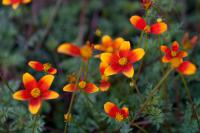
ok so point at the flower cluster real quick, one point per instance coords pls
(116, 57)
(175, 57)
(36, 91)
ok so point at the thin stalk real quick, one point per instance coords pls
(155, 90)
(35, 121)
(73, 95)
(137, 89)
(6, 83)
(140, 40)
(187, 90)
(140, 128)
(50, 22)
(142, 63)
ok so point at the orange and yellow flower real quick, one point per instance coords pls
(122, 60)
(35, 92)
(70, 49)
(15, 3)
(108, 44)
(46, 67)
(104, 83)
(114, 112)
(175, 57)
(140, 24)
(189, 43)
(146, 4)
(88, 87)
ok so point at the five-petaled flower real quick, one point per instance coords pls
(108, 44)
(140, 24)
(114, 112)
(35, 92)
(88, 87)
(70, 49)
(146, 4)
(189, 43)
(175, 57)
(15, 3)
(122, 60)
(46, 67)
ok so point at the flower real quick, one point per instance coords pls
(122, 60)
(15, 3)
(146, 4)
(140, 24)
(35, 92)
(175, 57)
(82, 85)
(104, 83)
(70, 49)
(114, 112)
(189, 43)
(46, 67)
(108, 44)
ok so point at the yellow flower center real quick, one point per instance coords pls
(46, 66)
(147, 29)
(123, 61)
(173, 53)
(35, 92)
(119, 117)
(109, 49)
(82, 84)
(86, 52)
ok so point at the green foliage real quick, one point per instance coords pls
(14, 116)
(22, 39)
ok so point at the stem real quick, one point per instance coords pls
(35, 121)
(155, 89)
(187, 90)
(137, 89)
(6, 83)
(142, 63)
(140, 128)
(140, 39)
(50, 22)
(73, 95)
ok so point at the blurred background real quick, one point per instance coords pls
(34, 31)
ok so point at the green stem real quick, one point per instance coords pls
(140, 39)
(35, 121)
(6, 83)
(155, 89)
(142, 63)
(50, 22)
(187, 90)
(141, 129)
(73, 96)
(137, 89)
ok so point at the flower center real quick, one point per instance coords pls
(109, 49)
(82, 84)
(123, 61)
(35, 92)
(173, 53)
(119, 117)
(47, 66)
(86, 52)
(147, 29)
